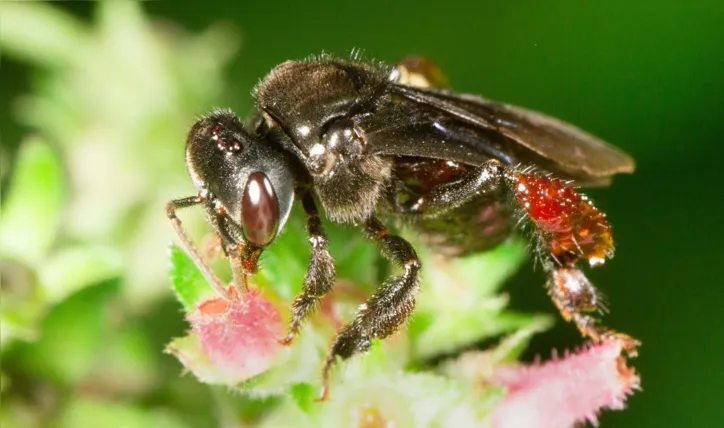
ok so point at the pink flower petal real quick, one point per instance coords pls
(564, 391)
(240, 339)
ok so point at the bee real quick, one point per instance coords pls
(370, 143)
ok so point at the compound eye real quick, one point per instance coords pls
(259, 210)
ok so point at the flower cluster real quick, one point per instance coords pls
(237, 344)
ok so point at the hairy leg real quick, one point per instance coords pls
(387, 309)
(567, 226)
(320, 274)
(569, 229)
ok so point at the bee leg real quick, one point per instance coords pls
(578, 300)
(188, 244)
(569, 229)
(212, 246)
(387, 309)
(441, 199)
(230, 247)
(320, 274)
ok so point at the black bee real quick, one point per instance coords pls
(365, 141)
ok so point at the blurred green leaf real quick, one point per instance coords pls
(93, 412)
(188, 350)
(19, 413)
(24, 305)
(71, 269)
(19, 320)
(71, 335)
(31, 212)
(304, 394)
(458, 304)
(454, 330)
(189, 284)
(130, 361)
(119, 85)
(510, 348)
(357, 258)
(478, 275)
(4, 382)
(474, 368)
(40, 33)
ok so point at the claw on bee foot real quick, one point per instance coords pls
(323, 392)
(288, 340)
(628, 343)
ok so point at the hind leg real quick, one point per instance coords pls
(568, 229)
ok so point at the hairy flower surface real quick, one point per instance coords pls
(564, 391)
(239, 340)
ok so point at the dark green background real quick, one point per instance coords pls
(647, 76)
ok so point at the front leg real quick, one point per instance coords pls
(387, 309)
(320, 274)
(219, 222)
(188, 244)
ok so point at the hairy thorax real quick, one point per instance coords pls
(350, 191)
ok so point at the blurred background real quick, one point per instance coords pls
(98, 100)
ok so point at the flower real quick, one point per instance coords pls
(238, 340)
(564, 391)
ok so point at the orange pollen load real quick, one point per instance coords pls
(572, 227)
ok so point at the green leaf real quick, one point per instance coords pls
(16, 412)
(72, 269)
(130, 361)
(512, 346)
(454, 330)
(189, 352)
(188, 283)
(40, 33)
(450, 282)
(63, 274)
(93, 412)
(71, 335)
(19, 319)
(458, 305)
(304, 395)
(4, 382)
(31, 212)
(357, 258)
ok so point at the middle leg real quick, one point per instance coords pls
(386, 310)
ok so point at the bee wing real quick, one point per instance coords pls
(471, 128)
